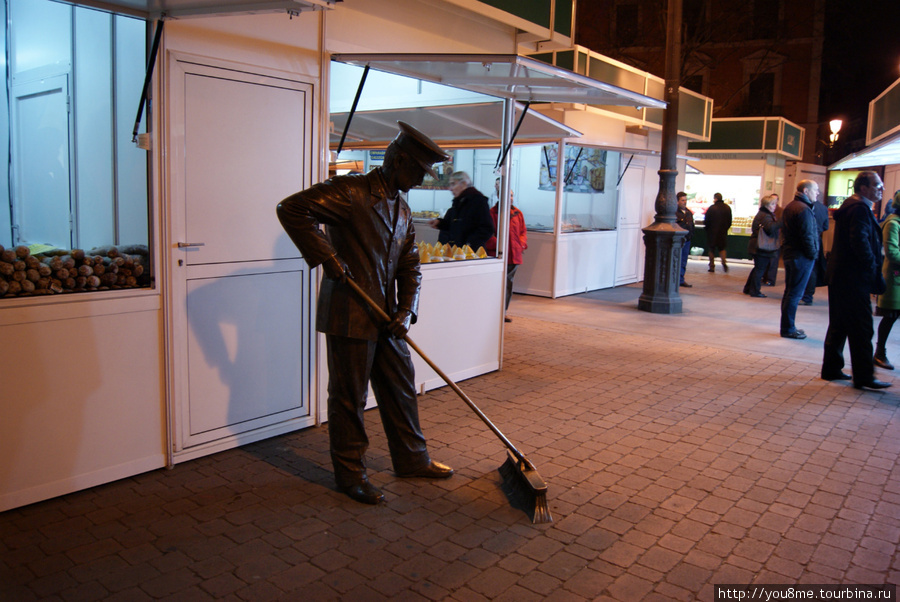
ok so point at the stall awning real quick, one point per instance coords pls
(886, 152)
(473, 124)
(503, 76)
(177, 9)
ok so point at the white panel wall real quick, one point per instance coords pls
(82, 396)
(459, 321)
(585, 262)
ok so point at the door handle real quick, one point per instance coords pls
(184, 245)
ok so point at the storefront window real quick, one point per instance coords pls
(589, 181)
(433, 198)
(741, 193)
(75, 195)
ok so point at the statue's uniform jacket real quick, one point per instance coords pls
(375, 237)
(377, 245)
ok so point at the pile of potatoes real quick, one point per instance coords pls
(62, 271)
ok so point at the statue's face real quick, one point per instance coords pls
(409, 174)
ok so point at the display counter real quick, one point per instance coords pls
(736, 242)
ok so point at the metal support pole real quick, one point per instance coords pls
(664, 238)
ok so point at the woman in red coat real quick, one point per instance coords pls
(518, 242)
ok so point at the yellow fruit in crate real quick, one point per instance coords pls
(481, 253)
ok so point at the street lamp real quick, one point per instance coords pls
(835, 125)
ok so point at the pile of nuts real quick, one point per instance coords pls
(62, 271)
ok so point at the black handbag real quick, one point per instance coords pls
(764, 242)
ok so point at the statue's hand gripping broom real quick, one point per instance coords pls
(522, 483)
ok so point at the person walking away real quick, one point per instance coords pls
(888, 305)
(717, 221)
(685, 218)
(799, 248)
(854, 275)
(517, 243)
(468, 220)
(369, 237)
(817, 277)
(767, 228)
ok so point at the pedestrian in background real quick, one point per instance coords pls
(817, 278)
(717, 221)
(685, 218)
(854, 275)
(888, 305)
(516, 243)
(800, 250)
(765, 240)
(771, 275)
(468, 220)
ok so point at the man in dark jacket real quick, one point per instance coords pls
(716, 222)
(369, 236)
(820, 212)
(799, 248)
(854, 274)
(468, 221)
(684, 217)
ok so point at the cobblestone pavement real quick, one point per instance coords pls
(680, 451)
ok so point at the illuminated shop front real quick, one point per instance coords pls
(745, 160)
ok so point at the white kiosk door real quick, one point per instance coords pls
(630, 244)
(240, 341)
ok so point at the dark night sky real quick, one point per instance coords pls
(861, 55)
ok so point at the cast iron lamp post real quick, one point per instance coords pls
(664, 238)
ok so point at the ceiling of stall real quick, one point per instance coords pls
(470, 124)
(886, 152)
(503, 76)
(154, 9)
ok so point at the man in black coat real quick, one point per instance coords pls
(716, 222)
(369, 236)
(820, 212)
(684, 217)
(468, 220)
(799, 248)
(854, 274)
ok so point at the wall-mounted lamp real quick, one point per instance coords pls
(835, 125)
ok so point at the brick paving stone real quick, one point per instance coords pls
(764, 473)
(621, 554)
(660, 559)
(629, 587)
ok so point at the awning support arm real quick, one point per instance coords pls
(568, 177)
(154, 50)
(502, 157)
(622, 175)
(362, 83)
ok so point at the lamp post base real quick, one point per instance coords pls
(662, 268)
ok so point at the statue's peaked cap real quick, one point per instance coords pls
(419, 147)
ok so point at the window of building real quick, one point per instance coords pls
(761, 94)
(75, 211)
(693, 82)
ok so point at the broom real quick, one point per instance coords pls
(522, 484)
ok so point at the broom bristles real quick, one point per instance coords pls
(525, 489)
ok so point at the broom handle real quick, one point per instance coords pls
(383, 315)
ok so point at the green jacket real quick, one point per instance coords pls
(891, 266)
